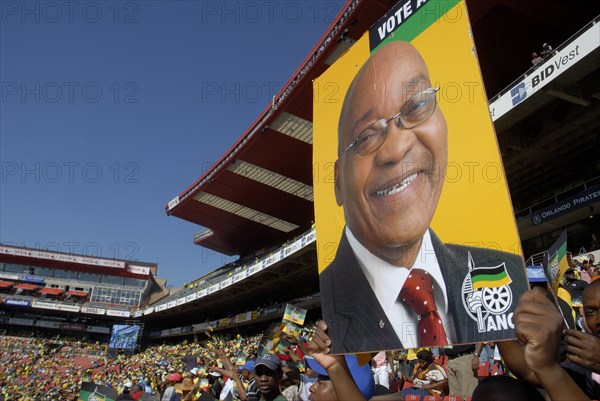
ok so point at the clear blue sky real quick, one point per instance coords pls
(109, 109)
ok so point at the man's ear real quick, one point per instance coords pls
(336, 183)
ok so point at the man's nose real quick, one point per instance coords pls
(398, 142)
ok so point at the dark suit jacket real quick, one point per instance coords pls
(358, 323)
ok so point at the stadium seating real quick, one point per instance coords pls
(484, 369)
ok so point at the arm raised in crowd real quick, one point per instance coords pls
(233, 375)
(534, 357)
(335, 365)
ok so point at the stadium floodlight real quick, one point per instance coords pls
(272, 179)
(245, 212)
(293, 126)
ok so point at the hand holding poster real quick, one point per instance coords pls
(427, 247)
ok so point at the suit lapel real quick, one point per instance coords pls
(366, 327)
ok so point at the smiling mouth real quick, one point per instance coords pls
(398, 187)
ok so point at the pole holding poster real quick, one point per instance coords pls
(414, 189)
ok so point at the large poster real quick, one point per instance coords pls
(416, 237)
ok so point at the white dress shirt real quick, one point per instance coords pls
(387, 280)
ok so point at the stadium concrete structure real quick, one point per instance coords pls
(256, 201)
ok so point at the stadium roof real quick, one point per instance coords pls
(260, 191)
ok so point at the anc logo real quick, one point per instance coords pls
(486, 292)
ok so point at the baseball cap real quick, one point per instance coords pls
(535, 274)
(175, 377)
(269, 360)
(249, 365)
(362, 375)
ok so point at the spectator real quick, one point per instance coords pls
(505, 388)
(574, 286)
(463, 365)
(169, 391)
(382, 369)
(534, 357)
(290, 383)
(535, 59)
(428, 378)
(546, 50)
(268, 375)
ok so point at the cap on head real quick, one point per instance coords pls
(175, 377)
(269, 360)
(249, 365)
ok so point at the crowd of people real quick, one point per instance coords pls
(563, 363)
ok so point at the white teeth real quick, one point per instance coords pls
(398, 187)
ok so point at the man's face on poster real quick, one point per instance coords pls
(390, 194)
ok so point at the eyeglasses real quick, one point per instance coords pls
(413, 113)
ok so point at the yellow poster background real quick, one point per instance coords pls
(475, 207)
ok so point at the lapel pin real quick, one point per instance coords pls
(381, 324)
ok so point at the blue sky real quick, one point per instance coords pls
(109, 109)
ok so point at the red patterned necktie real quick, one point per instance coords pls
(417, 293)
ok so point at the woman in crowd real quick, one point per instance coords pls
(429, 378)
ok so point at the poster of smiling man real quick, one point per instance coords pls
(416, 236)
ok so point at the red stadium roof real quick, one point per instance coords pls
(28, 287)
(51, 291)
(77, 293)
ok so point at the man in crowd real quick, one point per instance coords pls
(539, 328)
(463, 365)
(268, 374)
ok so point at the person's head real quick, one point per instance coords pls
(534, 54)
(569, 275)
(322, 389)
(505, 388)
(187, 385)
(390, 171)
(293, 376)
(213, 377)
(247, 370)
(425, 358)
(136, 391)
(268, 374)
(591, 307)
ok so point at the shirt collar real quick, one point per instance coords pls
(386, 280)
